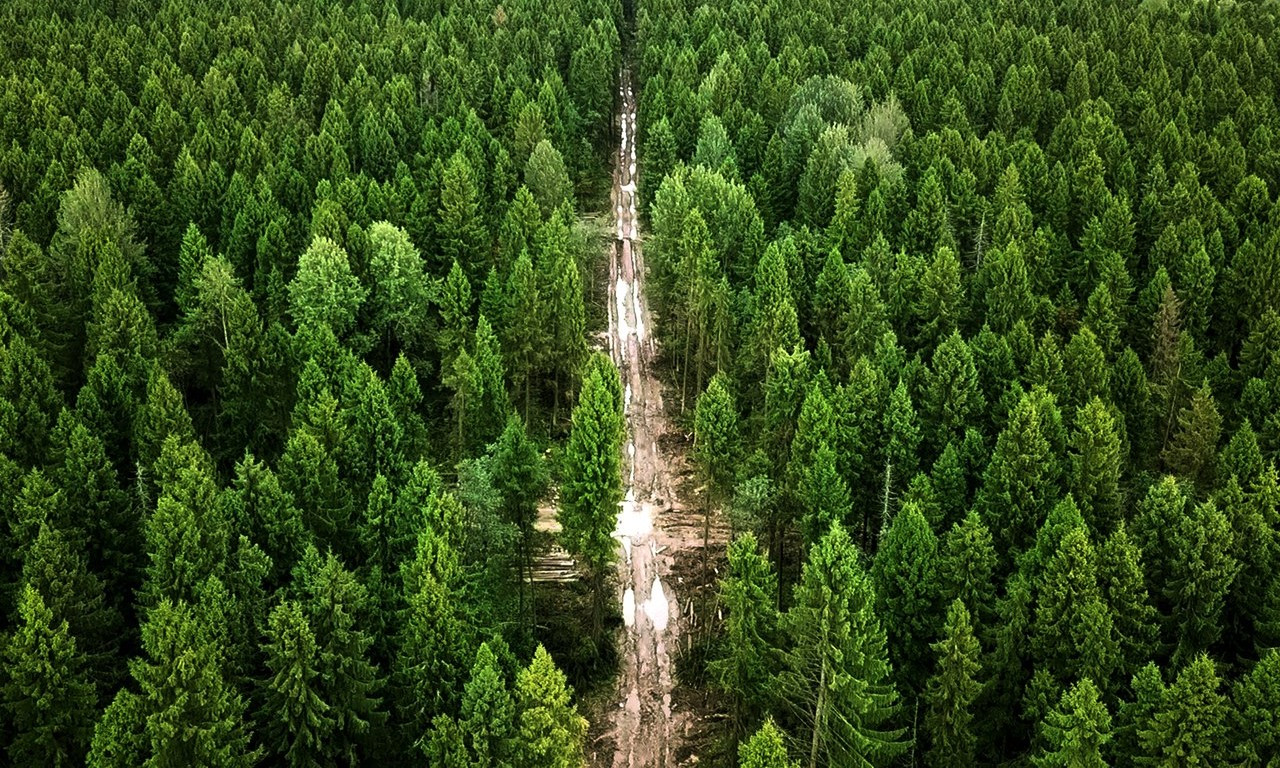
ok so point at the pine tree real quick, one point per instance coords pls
(48, 697)
(1202, 570)
(952, 691)
(902, 433)
(1076, 731)
(295, 719)
(430, 663)
(1072, 636)
(567, 330)
(716, 443)
(1255, 714)
(765, 749)
(550, 732)
(461, 235)
(837, 676)
(454, 300)
(520, 479)
(746, 669)
(592, 486)
(1018, 486)
(1122, 578)
(1192, 452)
(525, 339)
(488, 713)
(952, 397)
(905, 575)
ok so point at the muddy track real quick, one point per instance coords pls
(645, 727)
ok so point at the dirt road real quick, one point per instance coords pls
(645, 727)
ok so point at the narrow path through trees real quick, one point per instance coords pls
(644, 726)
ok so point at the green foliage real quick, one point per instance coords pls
(550, 730)
(747, 668)
(1077, 730)
(765, 749)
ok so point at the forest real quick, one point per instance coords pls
(966, 318)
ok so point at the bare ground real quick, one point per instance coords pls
(665, 577)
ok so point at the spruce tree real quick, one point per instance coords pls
(765, 749)
(1017, 488)
(47, 694)
(193, 714)
(1122, 577)
(1073, 635)
(488, 713)
(952, 692)
(1096, 460)
(295, 719)
(1077, 730)
(550, 732)
(836, 675)
(592, 486)
(746, 669)
(1202, 571)
(335, 606)
(1192, 450)
(1189, 727)
(905, 575)
(1255, 712)
(966, 571)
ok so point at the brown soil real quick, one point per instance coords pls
(666, 581)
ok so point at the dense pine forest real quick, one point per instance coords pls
(967, 318)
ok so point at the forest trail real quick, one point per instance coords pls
(644, 726)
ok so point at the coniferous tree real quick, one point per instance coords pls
(765, 749)
(1189, 726)
(335, 606)
(488, 712)
(1095, 458)
(966, 570)
(295, 718)
(746, 669)
(1255, 712)
(47, 694)
(193, 715)
(905, 575)
(1077, 730)
(837, 676)
(592, 487)
(1122, 577)
(550, 730)
(952, 691)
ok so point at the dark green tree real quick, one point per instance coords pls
(952, 691)
(295, 719)
(749, 662)
(836, 676)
